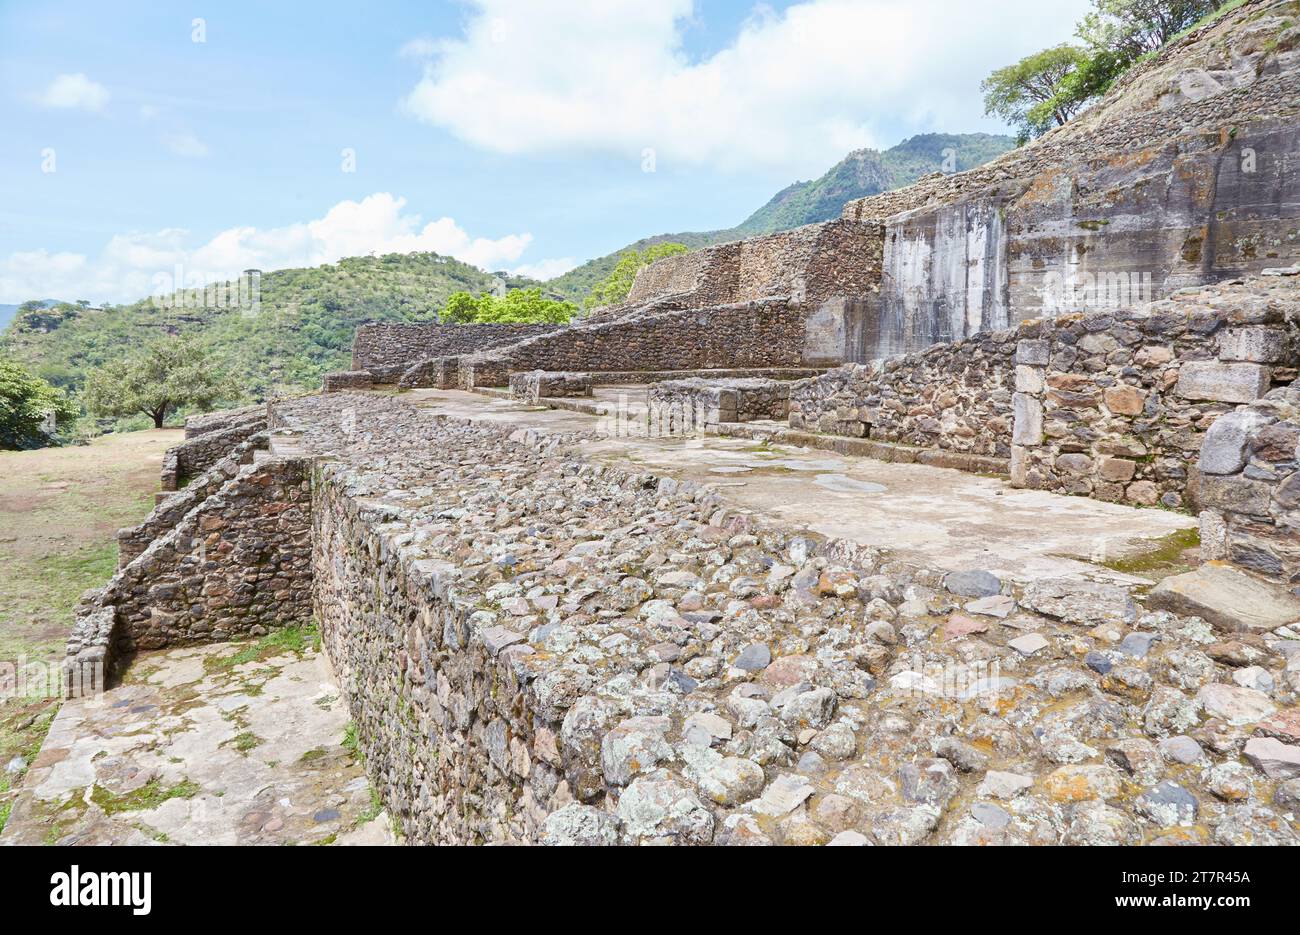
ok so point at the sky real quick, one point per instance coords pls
(155, 144)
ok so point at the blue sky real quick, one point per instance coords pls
(511, 133)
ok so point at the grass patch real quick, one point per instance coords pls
(293, 639)
(246, 741)
(1165, 557)
(146, 798)
(311, 756)
(350, 742)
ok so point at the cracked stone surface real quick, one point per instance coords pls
(190, 749)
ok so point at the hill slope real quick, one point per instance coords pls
(302, 329)
(862, 172)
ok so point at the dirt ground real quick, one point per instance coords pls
(59, 511)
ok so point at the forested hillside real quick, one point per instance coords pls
(301, 329)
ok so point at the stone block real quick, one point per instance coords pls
(1214, 535)
(1227, 598)
(1234, 494)
(1118, 470)
(1125, 400)
(1033, 351)
(1028, 379)
(1256, 345)
(1224, 449)
(1019, 465)
(1222, 382)
(1028, 415)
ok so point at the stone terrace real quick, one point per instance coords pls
(539, 647)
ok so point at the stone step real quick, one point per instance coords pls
(1227, 599)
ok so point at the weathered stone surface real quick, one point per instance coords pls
(580, 826)
(1257, 345)
(1229, 599)
(1081, 602)
(1224, 450)
(1274, 759)
(1236, 705)
(972, 583)
(1220, 382)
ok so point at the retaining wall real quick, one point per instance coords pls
(1112, 405)
(769, 333)
(387, 349)
(1250, 487)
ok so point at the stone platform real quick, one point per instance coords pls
(197, 747)
(932, 515)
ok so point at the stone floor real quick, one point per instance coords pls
(199, 746)
(929, 515)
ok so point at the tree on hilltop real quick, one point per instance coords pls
(1026, 94)
(1048, 88)
(168, 374)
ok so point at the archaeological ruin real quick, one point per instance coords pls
(969, 517)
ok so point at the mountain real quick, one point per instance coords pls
(301, 329)
(862, 172)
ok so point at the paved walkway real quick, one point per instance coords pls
(225, 744)
(935, 516)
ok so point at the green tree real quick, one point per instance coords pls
(168, 374)
(516, 306)
(1130, 29)
(615, 287)
(31, 410)
(1028, 93)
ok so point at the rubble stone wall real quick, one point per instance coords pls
(1109, 405)
(208, 442)
(768, 333)
(133, 540)
(387, 349)
(1250, 486)
(233, 566)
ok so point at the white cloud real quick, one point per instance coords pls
(134, 265)
(545, 269)
(185, 144)
(74, 91)
(793, 90)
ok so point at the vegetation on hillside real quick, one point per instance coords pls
(168, 374)
(301, 328)
(517, 305)
(863, 172)
(1046, 89)
(615, 287)
(31, 411)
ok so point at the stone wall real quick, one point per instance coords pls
(207, 441)
(1250, 487)
(683, 406)
(767, 333)
(1109, 405)
(387, 349)
(133, 540)
(534, 385)
(812, 263)
(343, 381)
(233, 566)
